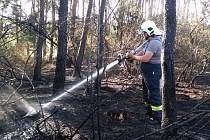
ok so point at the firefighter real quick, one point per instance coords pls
(149, 54)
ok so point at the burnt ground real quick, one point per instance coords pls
(116, 113)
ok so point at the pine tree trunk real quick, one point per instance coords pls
(72, 35)
(1, 27)
(33, 11)
(162, 3)
(16, 12)
(39, 44)
(150, 12)
(101, 38)
(100, 53)
(73, 25)
(83, 12)
(145, 9)
(81, 50)
(60, 72)
(169, 91)
(120, 21)
(52, 31)
(45, 26)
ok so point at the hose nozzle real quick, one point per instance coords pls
(121, 58)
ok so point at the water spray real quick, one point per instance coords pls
(93, 76)
(11, 100)
(81, 83)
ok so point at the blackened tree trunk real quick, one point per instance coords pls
(101, 39)
(100, 52)
(73, 18)
(80, 54)
(45, 23)
(120, 21)
(39, 44)
(59, 79)
(83, 11)
(33, 19)
(1, 27)
(169, 91)
(52, 31)
(16, 12)
(72, 34)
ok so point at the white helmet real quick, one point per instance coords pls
(150, 28)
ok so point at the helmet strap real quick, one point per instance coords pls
(147, 37)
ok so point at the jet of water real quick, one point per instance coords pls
(91, 77)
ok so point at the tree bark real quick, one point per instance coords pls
(16, 13)
(162, 3)
(52, 31)
(60, 72)
(169, 91)
(150, 5)
(73, 25)
(1, 27)
(120, 21)
(72, 36)
(39, 44)
(33, 19)
(100, 52)
(81, 50)
(101, 38)
(33, 9)
(45, 24)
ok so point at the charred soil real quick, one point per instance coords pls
(116, 112)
